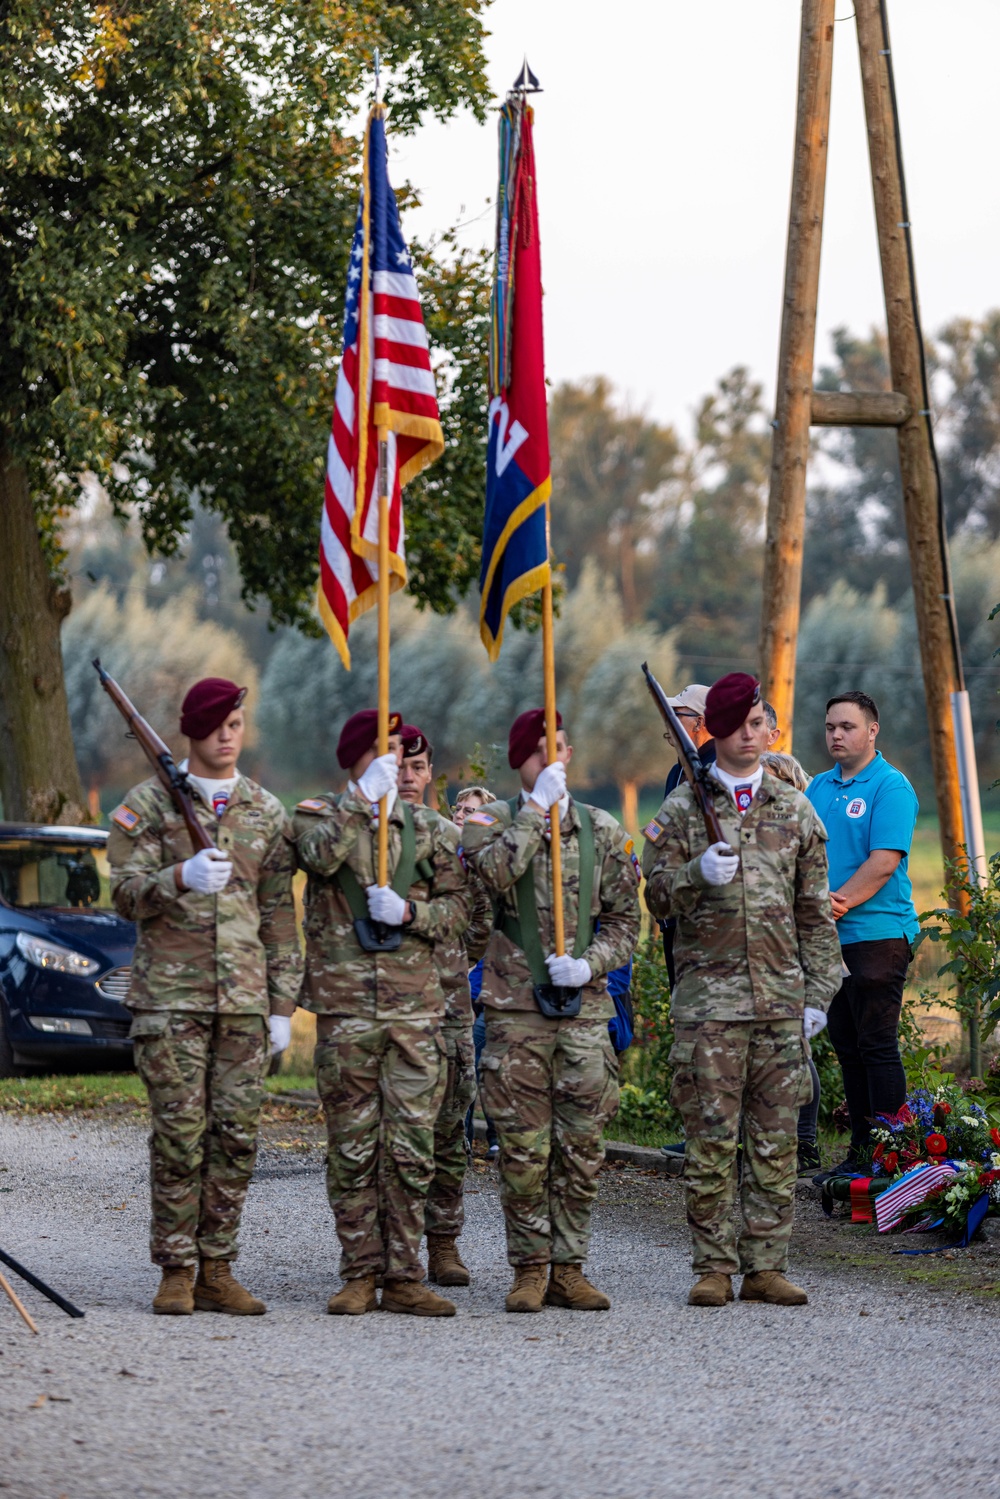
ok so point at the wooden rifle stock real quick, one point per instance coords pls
(692, 764)
(174, 781)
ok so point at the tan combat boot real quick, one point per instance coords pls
(527, 1294)
(569, 1287)
(414, 1297)
(218, 1290)
(444, 1263)
(354, 1298)
(771, 1286)
(175, 1298)
(714, 1289)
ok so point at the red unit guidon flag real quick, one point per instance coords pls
(386, 381)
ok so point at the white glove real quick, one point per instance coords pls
(567, 972)
(719, 864)
(550, 786)
(207, 872)
(379, 779)
(280, 1027)
(813, 1021)
(385, 905)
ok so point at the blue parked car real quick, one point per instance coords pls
(65, 955)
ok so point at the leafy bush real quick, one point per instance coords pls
(646, 1074)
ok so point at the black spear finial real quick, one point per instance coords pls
(526, 82)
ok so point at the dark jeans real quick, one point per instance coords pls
(479, 1041)
(809, 1112)
(864, 1029)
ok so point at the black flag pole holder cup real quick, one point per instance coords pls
(557, 1002)
(375, 936)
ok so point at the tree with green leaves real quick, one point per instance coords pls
(610, 468)
(179, 189)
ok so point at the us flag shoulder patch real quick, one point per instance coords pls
(482, 818)
(311, 804)
(126, 818)
(652, 831)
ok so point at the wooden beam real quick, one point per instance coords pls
(786, 506)
(921, 501)
(859, 408)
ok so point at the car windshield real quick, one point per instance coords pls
(63, 876)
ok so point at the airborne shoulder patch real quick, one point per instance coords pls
(482, 818)
(311, 804)
(636, 866)
(652, 831)
(125, 818)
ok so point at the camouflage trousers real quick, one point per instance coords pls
(445, 1209)
(204, 1076)
(725, 1070)
(550, 1087)
(381, 1085)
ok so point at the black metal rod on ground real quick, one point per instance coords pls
(39, 1285)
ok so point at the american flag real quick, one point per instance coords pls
(911, 1189)
(385, 381)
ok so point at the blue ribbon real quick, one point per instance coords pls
(977, 1213)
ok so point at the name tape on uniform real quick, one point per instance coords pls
(126, 818)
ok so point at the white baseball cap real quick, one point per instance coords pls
(692, 698)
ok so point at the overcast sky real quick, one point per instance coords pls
(664, 142)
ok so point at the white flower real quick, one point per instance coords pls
(972, 1121)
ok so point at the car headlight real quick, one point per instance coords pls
(61, 1025)
(53, 957)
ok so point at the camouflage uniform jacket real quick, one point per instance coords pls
(458, 955)
(236, 952)
(341, 978)
(499, 849)
(765, 945)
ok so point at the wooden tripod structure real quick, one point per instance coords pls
(905, 407)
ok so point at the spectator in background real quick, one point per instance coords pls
(689, 706)
(869, 810)
(470, 800)
(773, 732)
(787, 768)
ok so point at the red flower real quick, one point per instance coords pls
(945, 1108)
(995, 1137)
(891, 1162)
(878, 1152)
(941, 1112)
(936, 1144)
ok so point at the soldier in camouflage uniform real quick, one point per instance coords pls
(757, 964)
(445, 1215)
(550, 1083)
(217, 954)
(380, 1047)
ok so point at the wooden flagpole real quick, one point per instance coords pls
(549, 675)
(383, 643)
(18, 1305)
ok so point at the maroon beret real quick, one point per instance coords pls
(525, 732)
(208, 705)
(728, 703)
(415, 742)
(360, 733)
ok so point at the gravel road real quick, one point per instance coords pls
(881, 1386)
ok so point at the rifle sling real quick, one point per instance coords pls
(402, 880)
(522, 929)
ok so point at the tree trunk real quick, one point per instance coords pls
(629, 793)
(626, 553)
(39, 779)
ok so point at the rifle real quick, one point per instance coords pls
(692, 764)
(173, 780)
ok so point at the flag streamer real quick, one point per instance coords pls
(518, 472)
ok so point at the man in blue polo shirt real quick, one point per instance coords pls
(869, 810)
